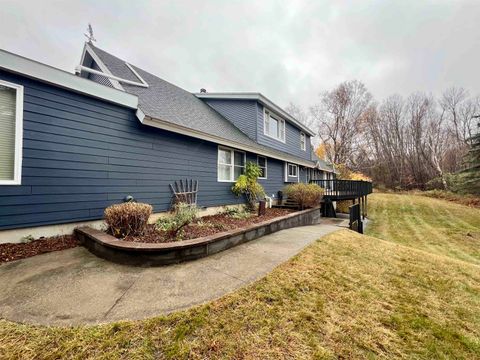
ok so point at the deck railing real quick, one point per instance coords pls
(344, 189)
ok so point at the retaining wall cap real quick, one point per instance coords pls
(111, 241)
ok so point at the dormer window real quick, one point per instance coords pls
(303, 142)
(273, 126)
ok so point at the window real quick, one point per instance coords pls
(273, 127)
(231, 164)
(292, 170)
(303, 142)
(11, 129)
(262, 164)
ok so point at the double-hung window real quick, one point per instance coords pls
(274, 127)
(291, 172)
(262, 164)
(303, 141)
(231, 164)
(11, 128)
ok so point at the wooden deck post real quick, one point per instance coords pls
(363, 207)
(366, 205)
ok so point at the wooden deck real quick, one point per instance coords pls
(344, 189)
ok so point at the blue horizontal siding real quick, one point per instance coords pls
(241, 113)
(292, 138)
(81, 155)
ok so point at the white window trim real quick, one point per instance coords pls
(266, 166)
(232, 154)
(303, 145)
(287, 176)
(17, 166)
(279, 119)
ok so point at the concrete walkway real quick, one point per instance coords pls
(73, 287)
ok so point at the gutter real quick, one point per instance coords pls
(165, 125)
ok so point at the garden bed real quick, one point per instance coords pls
(206, 226)
(157, 252)
(11, 252)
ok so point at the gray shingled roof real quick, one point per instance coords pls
(322, 164)
(167, 102)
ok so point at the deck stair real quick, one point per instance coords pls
(288, 204)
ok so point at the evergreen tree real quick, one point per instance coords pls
(471, 174)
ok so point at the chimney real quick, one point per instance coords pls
(202, 90)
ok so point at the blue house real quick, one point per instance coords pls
(73, 144)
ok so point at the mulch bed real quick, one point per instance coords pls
(205, 226)
(11, 252)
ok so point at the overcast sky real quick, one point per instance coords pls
(288, 50)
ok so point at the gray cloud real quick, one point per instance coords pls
(288, 50)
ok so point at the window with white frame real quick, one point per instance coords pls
(273, 126)
(292, 170)
(11, 129)
(303, 141)
(262, 164)
(231, 164)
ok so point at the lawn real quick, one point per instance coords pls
(436, 226)
(408, 292)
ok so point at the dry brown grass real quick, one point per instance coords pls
(346, 296)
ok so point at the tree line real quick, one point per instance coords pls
(400, 142)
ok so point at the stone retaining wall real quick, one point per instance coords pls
(155, 254)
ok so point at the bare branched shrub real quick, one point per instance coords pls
(182, 215)
(127, 219)
(306, 195)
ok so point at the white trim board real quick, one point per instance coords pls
(50, 75)
(217, 140)
(17, 162)
(101, 65)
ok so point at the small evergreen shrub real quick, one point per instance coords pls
(306, 195)
(127, 219)
(182, 215)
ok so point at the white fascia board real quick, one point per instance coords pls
(263, 100)
(48, 74)
(320, 166)
(146, 120)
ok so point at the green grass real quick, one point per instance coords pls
(433, 225)
(346, 296)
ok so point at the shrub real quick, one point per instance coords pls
(237, 212)
(247, 184)
(306, 195)
(343, 206)
(182, 215)
(127, 219)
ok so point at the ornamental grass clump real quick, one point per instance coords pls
(127, 219)
(305, 195)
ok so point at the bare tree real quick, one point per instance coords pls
(300, 114)
(451, 102)
(339, 119)
(401, 143)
